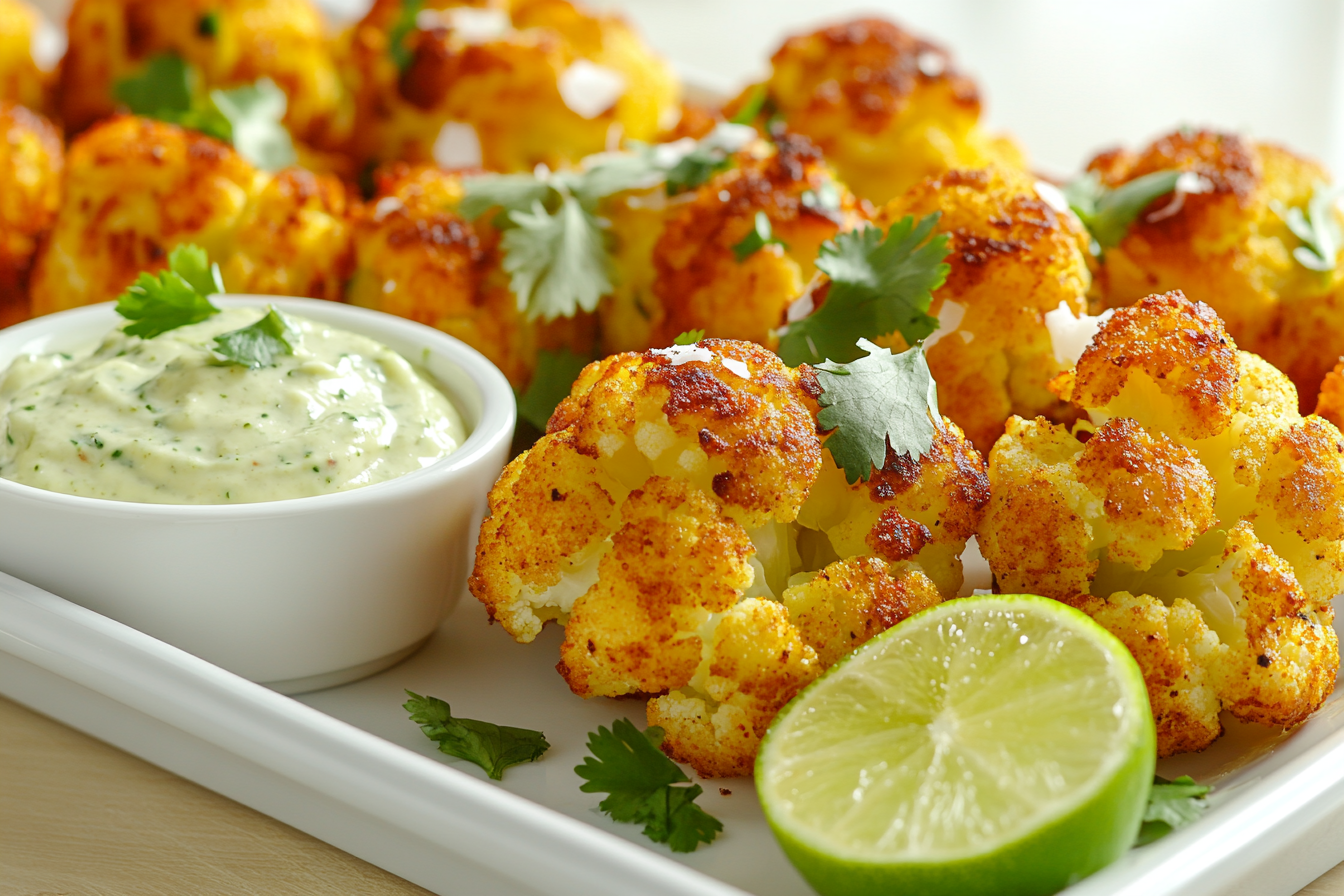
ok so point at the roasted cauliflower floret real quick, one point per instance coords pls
(229, 42)
(851, 601)
(21, 80)
(31, 159)
(135, 188)
(1014, 258)
(678, 269)
(1196, 487)
(886, 107)
(1330, 401)
(754, 663)
(506, 87)
(1230, 246)
(415, 257)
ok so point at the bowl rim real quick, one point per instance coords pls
(498, 413)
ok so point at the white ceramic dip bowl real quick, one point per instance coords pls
(297, 594)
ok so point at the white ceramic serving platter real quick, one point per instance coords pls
(347, 766)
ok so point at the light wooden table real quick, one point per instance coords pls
(81, 818)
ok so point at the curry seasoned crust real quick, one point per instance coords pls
(31, 161)
(21, 81)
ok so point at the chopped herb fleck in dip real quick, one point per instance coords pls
(109, 424)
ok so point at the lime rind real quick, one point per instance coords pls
(1093, 730)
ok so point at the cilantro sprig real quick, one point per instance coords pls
(690, 337)
(492, 747)
(249, 117)
(176, 297)
(260, 344)
(556, 245)
(645, 787)
(402, 27)
(875, 403)
(880, 283)
(760, 236)
(551, 382)
(1171, 806)
(1108, 213)
(1317, 228)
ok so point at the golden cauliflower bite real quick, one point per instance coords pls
(886, 108)
(502, 86)
(681, 509)
(675, 262)
(135, 188)
(1197, 516)
(415, 257)
(1231, 248)
(1015, 257)
(229, 42)
(31, 159)
(21, 81)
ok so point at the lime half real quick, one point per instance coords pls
(997, 745)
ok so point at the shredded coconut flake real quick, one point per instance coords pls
(1070, 335)
(386, 206)
(950, 317)
(1188, 183)
(47, 45)
(680, 354)
(930, 64)
(457, 146)
(1052, 196)
(589, 89)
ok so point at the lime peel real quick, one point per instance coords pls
(996, 744)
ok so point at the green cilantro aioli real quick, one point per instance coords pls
(168, 421)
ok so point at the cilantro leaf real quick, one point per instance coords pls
(875, 403)
(402, 27)
(1171, 806)
(1108, 213)
(642, 786)
(174, 298)
(760, 236)
(824, 200)
(254, 113)
(752, 106)
(163, 88)
(879, 285)
(555, 375)
(609, 173)
(259, 344)
(492, 747)
(510, 192)
(690, 337)
(557, 263)
(1317, 228)
(694, 168)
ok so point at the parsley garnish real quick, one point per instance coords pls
(402, 27)
(492, 747)
(555, 375)
(175, 297)
(879, 285)
(1171, 806)
(261, 343)
(642, 786)
(760, 236)
(1317, 228)
(690, 337)
(1108, 213)
(249, 117)
(878, 402)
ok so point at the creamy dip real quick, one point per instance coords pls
(164, 421)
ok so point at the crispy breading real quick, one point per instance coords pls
(502, 99)
(415, 257)
(229, 42)
(1014, 257)
(1330, 401)
(1205, 486)
(31, 160)
(1231, 247)
(887, 108)
(754, 664)
(667, 512)
(851, 601)
(677, 267)
(135, 188)
(21, 81)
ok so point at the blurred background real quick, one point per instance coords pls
(1067, 77)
